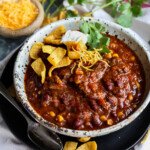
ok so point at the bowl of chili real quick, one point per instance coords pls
(99, 91)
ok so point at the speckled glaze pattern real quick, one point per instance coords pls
(127, 35)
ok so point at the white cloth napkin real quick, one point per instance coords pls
(141, 25)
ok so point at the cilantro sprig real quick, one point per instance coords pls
(122, 11)
(136, 7)
(96, 36)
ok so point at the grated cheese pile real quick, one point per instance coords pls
(17, 15)
(88, 58)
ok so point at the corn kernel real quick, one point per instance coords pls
(132, 58)
(134, 106)
(137, 84)
(110, 122)
(113, 45)
(103, 118)
(39, 92)
(115, 55)
(120, 114)
(130, 97)
(79, 72)
(52, 114)
(108, 56)
(60, 118)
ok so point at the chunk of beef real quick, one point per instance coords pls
(89, 82)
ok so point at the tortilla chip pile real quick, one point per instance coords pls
(58, 56)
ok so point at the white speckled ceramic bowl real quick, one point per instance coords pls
(130, 38)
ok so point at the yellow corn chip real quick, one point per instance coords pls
(84, 139)
(88, 146)
(73, 55)
(36, 48)
(55, 36)
(63, 63)
(40, 69)
(52, 40)
(48, 49)
(59, 31)
(56, 56)
(72, 45)
(70, 146)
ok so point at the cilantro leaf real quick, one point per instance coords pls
(104, 50)
(124, 8)
(81, 1)
(136, 7)
(96, 40)
(125, 19)
(104, 41)
(123, 11)
(84, 28)
(98, 35)
(136, 10)
(138, 2)
(70, 2)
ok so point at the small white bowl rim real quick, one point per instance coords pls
(91, 133)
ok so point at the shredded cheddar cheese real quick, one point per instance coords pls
(17, 14)
(88, 58)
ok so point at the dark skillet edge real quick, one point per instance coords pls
(140, 138)
(13, 58)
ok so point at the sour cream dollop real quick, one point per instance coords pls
(75, 36)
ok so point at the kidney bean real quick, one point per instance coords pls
(96, 120)
(78, 123)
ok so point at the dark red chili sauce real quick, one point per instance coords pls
(88, 100)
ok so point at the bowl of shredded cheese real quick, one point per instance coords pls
(20, 17)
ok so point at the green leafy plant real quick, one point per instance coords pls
(122, 11)
(96, 36)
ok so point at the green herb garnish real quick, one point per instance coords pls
(96, 36)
